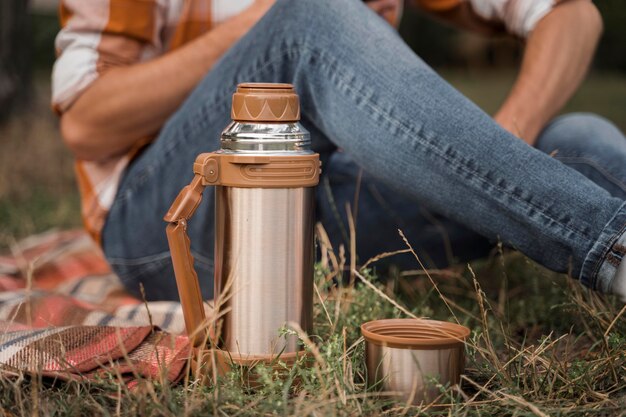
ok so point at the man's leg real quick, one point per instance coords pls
(361, 86)
(588, 143)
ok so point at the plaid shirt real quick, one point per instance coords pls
(97, 35)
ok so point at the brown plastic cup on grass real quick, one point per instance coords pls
(412, 358)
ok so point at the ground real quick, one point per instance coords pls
(540, 344)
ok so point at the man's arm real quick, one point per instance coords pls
(558, 52)
(557, 56)
(128, 103)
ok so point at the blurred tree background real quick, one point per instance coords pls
(444, 46)
(14, 56)
(37, 189)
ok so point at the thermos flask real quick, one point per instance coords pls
(264, 174)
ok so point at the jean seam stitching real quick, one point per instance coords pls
(606, 247)
(408, 131)
(593, 164)
(604, 255)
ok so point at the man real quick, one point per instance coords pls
(130, 71)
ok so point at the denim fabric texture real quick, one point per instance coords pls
(432, 160)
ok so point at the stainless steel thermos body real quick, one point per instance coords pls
(264, 253)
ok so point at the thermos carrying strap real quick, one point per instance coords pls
(233, 170)
(182, 210)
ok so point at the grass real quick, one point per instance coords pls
(540, 344)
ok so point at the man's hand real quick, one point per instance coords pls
(558, 53)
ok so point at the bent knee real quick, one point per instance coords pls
(576, 131)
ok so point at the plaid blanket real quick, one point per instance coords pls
(64, 314)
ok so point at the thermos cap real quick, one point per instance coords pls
(265, 102)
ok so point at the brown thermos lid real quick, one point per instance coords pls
(265, 102)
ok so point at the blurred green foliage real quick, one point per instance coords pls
(612, 49)
(441, 45)
(44, 30)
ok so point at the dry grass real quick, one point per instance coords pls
(540, 345)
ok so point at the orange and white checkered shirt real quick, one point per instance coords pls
(97, 35)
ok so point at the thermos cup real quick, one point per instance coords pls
(414, 357)
(264, 174)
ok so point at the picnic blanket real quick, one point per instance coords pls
(64, 314)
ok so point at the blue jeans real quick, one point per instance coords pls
(424, 149)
